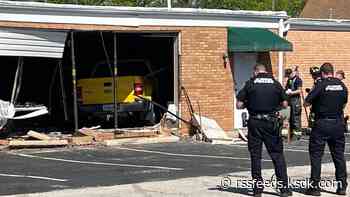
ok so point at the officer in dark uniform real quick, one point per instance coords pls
(263, 96)
(293, 90)
(316, 76)
(328, 99)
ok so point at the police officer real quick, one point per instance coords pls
(263, 96)
(293, 90)
(328, 99)
(316, 76)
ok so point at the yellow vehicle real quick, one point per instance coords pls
(134, 77)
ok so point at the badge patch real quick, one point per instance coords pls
(264, 80)
(334, 88)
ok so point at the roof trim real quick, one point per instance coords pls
(141, 10)
(135, 16)
(318, 24)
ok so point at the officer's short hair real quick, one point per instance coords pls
(260, 67)
(288, 72)
(327, 68)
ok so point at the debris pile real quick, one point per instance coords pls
(83, 137)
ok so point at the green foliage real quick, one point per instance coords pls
(293, 7)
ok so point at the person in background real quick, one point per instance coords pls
(340, 75)
(293, 91)
(287, 73)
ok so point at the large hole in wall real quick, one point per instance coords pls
(143, 58)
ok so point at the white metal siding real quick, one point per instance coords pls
(32, 43)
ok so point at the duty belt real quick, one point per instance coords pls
(272, 118)
(329, 117)
(268, 117)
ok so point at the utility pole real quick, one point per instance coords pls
(273, 5)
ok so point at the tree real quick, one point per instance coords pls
(293, 7)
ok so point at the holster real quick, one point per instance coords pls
(275, 119)
(311, 122)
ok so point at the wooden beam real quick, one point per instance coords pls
(37, 143)
(39, 136)
(133, 134)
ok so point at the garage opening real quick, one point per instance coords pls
(145, 66)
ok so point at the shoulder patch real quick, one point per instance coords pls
(264, 80)
(334, 88)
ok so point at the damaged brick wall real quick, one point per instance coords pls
(202, 69)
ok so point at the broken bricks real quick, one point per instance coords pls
(81, 140)
(98, 136)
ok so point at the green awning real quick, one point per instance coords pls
(255, 40)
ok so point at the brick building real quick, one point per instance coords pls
(326, 9)
(205, 49)
(316, 41)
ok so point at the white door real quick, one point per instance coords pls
(243, 67)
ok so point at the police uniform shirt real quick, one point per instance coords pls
(262, 94)
(328, 98)
(318, 80)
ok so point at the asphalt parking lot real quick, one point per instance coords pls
(32, 171)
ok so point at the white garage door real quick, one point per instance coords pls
(32, 43)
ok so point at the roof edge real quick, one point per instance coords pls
(318, 24)
(33, 6)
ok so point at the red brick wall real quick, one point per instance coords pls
(316, 47)
(204, 75)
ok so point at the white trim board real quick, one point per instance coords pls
(136, 16)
